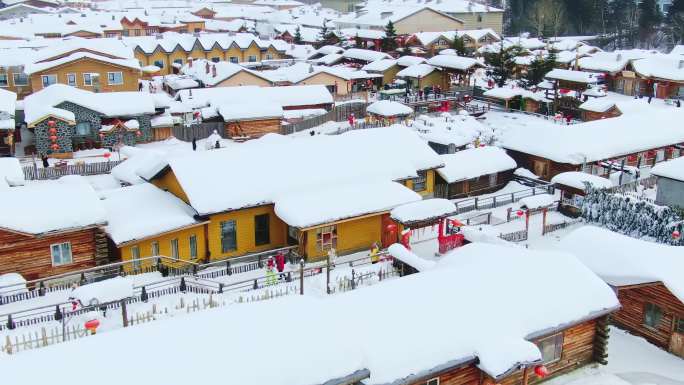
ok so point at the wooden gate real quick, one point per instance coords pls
(677, 344)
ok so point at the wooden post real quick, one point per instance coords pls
(301, 277)
(124, 313)
(544, 220)
(327, 272)
(526, 376)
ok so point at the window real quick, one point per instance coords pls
(228, 236)
(551, 347)
(20, 79)
(137, 32)
(326, 238)
(652, 315)
(269, 56)
(114, 78)
(125, 32)
(4, 82)
(177, 61)
(135, 257)
(198, 30)
(679, 325)
(174, 248)
(193, 247)
(479, 18)
(252, 58)
(234, 59)
(216, 59)
(91, 79)
(155, 248)
(183, 30)
(71, 80)
(419, 184)
(48, 80)
(261, 230)
(61, 253)
(492, 180)
(159, 63)
(83, 128)
(432, 381)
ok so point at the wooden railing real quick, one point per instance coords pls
(490, 202)
(516, 236)
(32, 172)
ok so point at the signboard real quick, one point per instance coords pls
(628, 74)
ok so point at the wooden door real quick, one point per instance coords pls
(677, 344)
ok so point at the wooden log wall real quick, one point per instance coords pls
(631, 316)
(253, 128)
(467, 375)
(31, 256)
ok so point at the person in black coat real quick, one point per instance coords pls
(194, 144)
(44, 158)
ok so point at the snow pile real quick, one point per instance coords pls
(537, 201)
(622, 260)
(453, 62)
(475, 162)
(577, 179)
(408, 61)
(381, 65)
(572, 76)
(250, 111)
(11, 173)
(597, 105)
(126, 172)
(507, 93)
(457, 130)
(673, 169)
(108, 290)
(310, 208)
(400, 252)
(143, 210)
(389, 108)
(50, 206)
(660, 67)
(416, 71)
(423, 210)
(16, 283)
(484, 234)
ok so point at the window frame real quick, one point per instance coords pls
(14, 80)
(559, 339)
(234, 59)
(215, 59)
(92, 75)
(679, 325)
(48, 76)
(159, 63)
(110, 83)
(262, 236)
(7, 79)
(69, 82)
(154, 248)
(61, 254)
(192, 246)
(658, 316)
(135, 257)
(432, 381)
(249, 59)
(225, 246)
(321, 243)
(90, 129)
(419, 181)
(174, 249)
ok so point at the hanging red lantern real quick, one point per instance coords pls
(391, 228)
(520, 213)
(55, 146)
(107, 155)
(52, 131)
(52, 123)
(541, 371)
(676, 234)
(102, 136)
(53, 138)
(138, 133)
(92, 325)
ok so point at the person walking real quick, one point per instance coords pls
(280, 265)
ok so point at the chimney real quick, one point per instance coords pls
(206, 67)
(213, 71)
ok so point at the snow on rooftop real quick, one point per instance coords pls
(143, 210)
(50, 206)
(400, 252)
(8, 100)
(264, 181)
(389, 108)
(572, 76)
(416, 71)
(507, 93)
(423, 210)
(365, 55)
(453, 62)
(597, 105)
(313, 207)
(577, 179)
(408, 60)
(250, 111)
(286, 96)
(380, 65)
(673, 169)
(32, 68)
(604, 61)
(109, 290)
(660, 67)
(620, 259)
(537, 201)
(474, 162)
(11, 173)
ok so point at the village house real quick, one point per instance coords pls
(573, 188)
(8, 108)
(613, 66)
(649, 289)
(388, 68)
(660, 76)
(282, 209)
(670, 183)
(473, 172)
(223, 74)
(424, 76)
(456, 69)
(435, 42)
(598, 108)
(49, 228)
(339, 80)
(65, 119)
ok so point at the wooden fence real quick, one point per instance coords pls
(32, 172)
(198, 131)
(490, 202)
(558, 226)
(516, 236)
(339, 113)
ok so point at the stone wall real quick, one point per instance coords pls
(42, 137)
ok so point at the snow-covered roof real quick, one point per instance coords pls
(424, 210)
(597, 105)
(453, 62)
(143, 210)
(577, 179)
(32, 68)
(407, 61)
(538, 201)
(11, 173)
(380, 65)
(572, 76)
(363, 33)
(474, 162)
(507, 93)
(673, 169)
(311, 208)
(605, 61)
(50, 206)
(400, 252)
(619, 259)
(8, 102)
(265, 181)
(112, 104)
(211, 73)
(660, 67)
(416, 71)
(389, 108)
(365, 55)
(286, 96)
(250, 111)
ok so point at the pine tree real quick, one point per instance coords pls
(501, 64)
(675, 22)
(535, 72)
(298, 36)
(550, 61)
(649, 21)
(459, 45)
(389, 42)
(323, 34)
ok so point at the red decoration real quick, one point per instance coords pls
(520, 213)
(632, 158)
(92, 325)
(52, 131)
(102, 136)
(541, 371)
(107, 154)
(53, 138)
(51, 123)
(676, 234)
(391, 228)
(55, 146)
(138, 133)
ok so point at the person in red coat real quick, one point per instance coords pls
(280, 264)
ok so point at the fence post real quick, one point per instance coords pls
(41, 289)
(10, 323)
(124, 313)
(58, 313)
(327, 273)
(508, 214)
(475, 203)
(353, 280)
(183, 286)
(301, 277)
(144, 296)
(229, 271)
(494, 201)
(220, 289)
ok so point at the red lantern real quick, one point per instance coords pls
(676, 234)
(102, 136)
(55, 146)
(52, 131)
(391, 228)
(138, 133)
(107, 154)
(541, 371)
(92, 325)
(53, 138)
(520, 213)
(51, 123)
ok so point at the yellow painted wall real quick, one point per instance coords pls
(274, 54)
(244, 220)
(253, 49)
(164, 240)
(493, 20)
(436, 78)
(429, 185)
(86, 65)
(389, 75)
(168, 182)
(352, 236)
(327, 79)
(244, 78)
(215, 51)
(198, 52)
(233, 51)
(427, 20)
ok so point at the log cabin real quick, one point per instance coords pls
(646, 277)
(50, 228)
(670, 182)
(598, 108)
(473, 172)
(573, 188)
